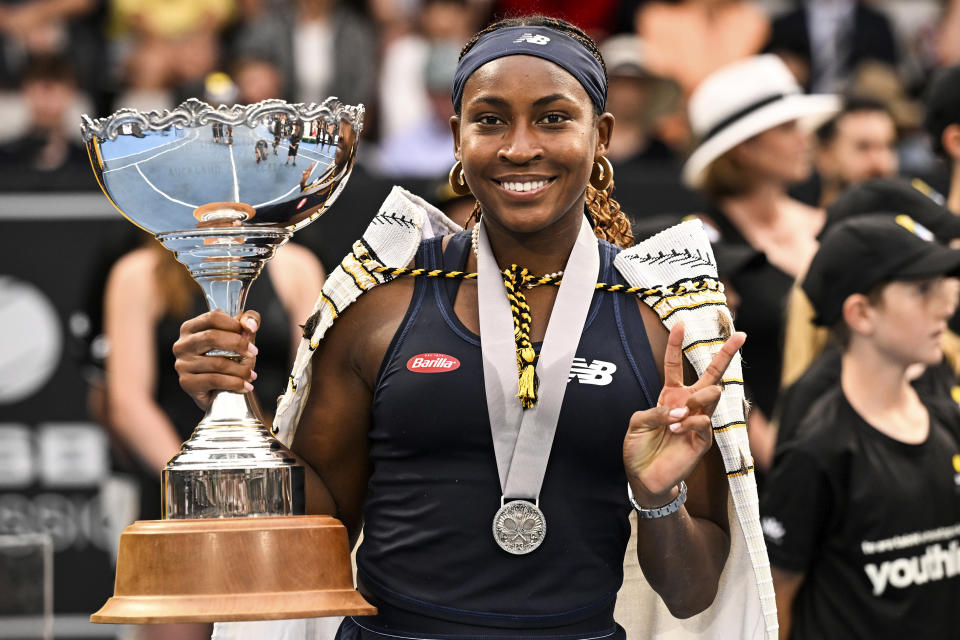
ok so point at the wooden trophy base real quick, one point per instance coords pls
(230, 569)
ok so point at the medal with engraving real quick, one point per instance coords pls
(519, 527)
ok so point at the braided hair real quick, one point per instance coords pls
(609, 222)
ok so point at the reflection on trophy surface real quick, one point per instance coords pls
(205, 183)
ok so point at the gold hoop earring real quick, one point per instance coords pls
(602, 175)
(457, 182)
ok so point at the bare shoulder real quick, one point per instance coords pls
(293, 258)
(134, 274)
(133, 297)
(139, 262)
(363, 332)
(361, 335)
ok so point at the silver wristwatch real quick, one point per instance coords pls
(659, 512)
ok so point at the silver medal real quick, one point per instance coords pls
(519, 527)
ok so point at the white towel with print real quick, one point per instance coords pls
(680, 263)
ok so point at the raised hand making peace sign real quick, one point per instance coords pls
(664, 444)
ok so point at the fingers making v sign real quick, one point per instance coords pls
(665, 443)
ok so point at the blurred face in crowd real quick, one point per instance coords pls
(258, 80)
(627, 99)
(908, 322)
(312, 8)
(863, 148)
(780, 154)
(48, 99)
(446, 20)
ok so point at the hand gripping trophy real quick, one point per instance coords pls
(234, 543)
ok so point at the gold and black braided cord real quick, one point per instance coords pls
(697, 286)
(514, 280)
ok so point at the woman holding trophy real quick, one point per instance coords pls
(409, 433)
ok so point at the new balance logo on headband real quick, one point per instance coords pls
(533, 39)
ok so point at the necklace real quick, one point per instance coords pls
(474, 234)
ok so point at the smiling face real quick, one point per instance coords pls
(527, 136)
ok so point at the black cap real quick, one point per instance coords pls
(858, 254)
(894, 196)
(942, 101)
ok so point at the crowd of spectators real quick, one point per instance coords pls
(59, 58)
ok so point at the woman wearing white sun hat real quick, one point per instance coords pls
(753, 124)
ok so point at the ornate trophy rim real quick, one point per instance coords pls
(195, 112)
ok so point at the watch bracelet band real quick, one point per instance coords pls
(672, 507)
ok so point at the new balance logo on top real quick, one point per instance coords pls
(598, 372)
(533, 39)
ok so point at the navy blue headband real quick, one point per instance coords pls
(542, 42)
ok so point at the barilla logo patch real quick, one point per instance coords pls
(432, 363)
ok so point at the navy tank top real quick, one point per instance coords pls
(428, 560)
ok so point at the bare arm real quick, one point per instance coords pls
(682, 555)
(332, 437)
(130, 315)
(786, 584)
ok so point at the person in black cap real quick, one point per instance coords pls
(861, 512)
(895, 194)
(811, 360)
(942, 123)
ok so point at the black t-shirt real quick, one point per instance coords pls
(937, 387)
(873, 523)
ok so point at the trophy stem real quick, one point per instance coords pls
(225, 260)
(232, 466)
(229, 409)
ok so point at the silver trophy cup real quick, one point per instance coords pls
(223, 188)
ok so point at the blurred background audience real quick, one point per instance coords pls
(395, 57)
(690, 39)
(824, 41)
(46, 152)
